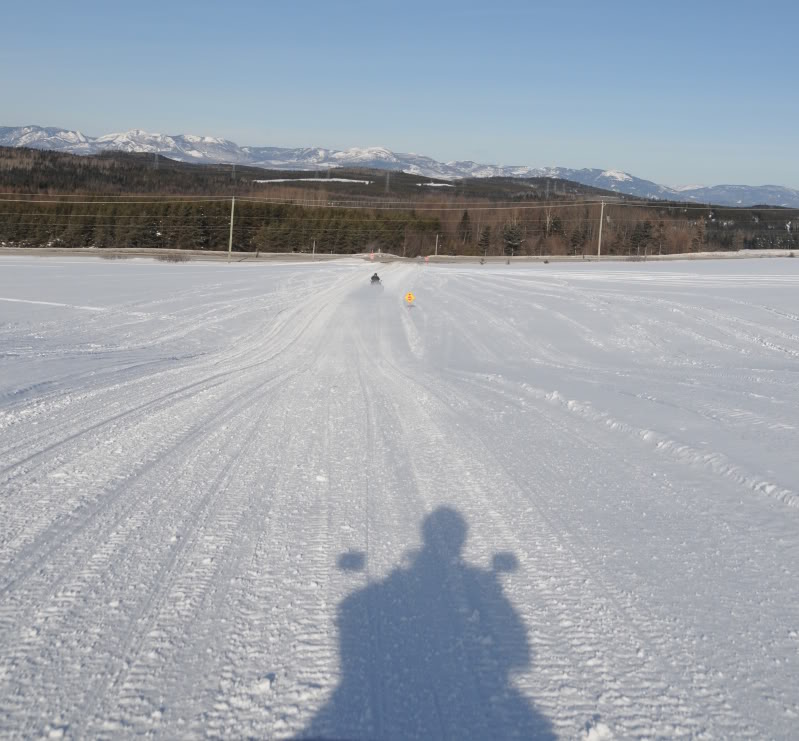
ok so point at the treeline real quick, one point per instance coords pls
(628, 229)
(554, 229)
(477, 228)
(58, 199)
(205, 225)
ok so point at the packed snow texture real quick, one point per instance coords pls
(274, 501)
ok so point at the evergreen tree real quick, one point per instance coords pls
(641, 236)
(577, 240)
(484, 243)
(660, 235)
(512, 238)
(465, 228)
(698, 239)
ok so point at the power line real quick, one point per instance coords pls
(339, 204)
(377, 204)
(298, 221)
(115, 203)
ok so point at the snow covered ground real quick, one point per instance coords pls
(273, 501)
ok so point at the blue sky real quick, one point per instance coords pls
(675, 92)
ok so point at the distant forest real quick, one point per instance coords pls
(132, 200)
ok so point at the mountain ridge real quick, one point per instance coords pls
(214, 150)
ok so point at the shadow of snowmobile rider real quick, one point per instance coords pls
(431, 649)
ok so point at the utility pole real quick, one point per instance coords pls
(155, 160)
(314, 250)
(388, 179)
(601, 219)
(233, 172)
(436, 245)
(230, 241)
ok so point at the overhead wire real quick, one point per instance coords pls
(417, 206)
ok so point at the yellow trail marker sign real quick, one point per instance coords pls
(409, 297)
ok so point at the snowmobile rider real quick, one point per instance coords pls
(375, 278)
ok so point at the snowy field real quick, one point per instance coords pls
(272, 501)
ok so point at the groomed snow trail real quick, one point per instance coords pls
(272, 501)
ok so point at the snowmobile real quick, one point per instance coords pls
(375, 279)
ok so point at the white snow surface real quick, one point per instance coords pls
(616, 175)
(314, 180)
(272, 501)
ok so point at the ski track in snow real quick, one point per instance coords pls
(273, 501)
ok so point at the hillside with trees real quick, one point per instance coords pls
(132, 200)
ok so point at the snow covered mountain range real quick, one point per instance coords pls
(207, 149)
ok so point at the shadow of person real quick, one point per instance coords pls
(428, 652)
